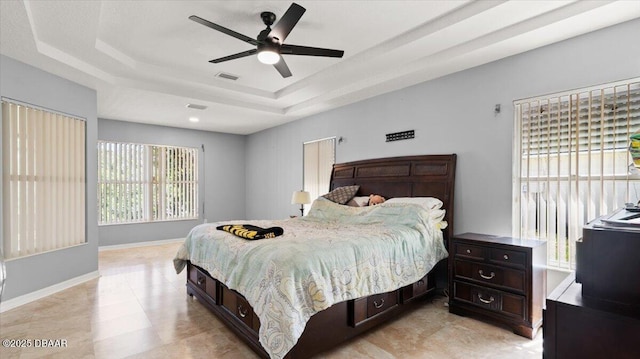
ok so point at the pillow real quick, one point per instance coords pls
(429, 203)
(342, 195)
(359, 201)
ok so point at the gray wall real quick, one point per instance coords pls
(221, 178)
(30, 85)
(452, 114)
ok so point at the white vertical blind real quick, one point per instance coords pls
(43, 168)
(572, 163)
(319, 157)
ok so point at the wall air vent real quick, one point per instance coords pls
(397, 136)
(227, 76)
(196, 107)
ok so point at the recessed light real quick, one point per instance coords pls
(194, 119)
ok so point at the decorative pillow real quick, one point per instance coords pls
(342, 195)
(358, 201)
(429, 203)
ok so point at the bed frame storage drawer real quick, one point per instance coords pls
(239, 307)
(422, 286)
(378, 303)
(363, 309)
(204, 282)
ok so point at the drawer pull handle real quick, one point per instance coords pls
(200, 280)
(485, 301)
(242, 311)
(420, 282)
(378, 306)
(468, 251)
(506, 257)
(485, 276)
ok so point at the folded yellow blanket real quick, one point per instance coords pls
(248, 231)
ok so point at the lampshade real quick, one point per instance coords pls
(301, 197)
(268, 57)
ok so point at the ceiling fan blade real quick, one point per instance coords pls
(286, 23)
(223, 29)
(234, 56)
(309, 51)
(282, 68)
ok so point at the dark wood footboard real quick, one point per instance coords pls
(325, 329)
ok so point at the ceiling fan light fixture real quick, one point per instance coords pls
(268, 57)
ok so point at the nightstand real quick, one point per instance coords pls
(499, 278)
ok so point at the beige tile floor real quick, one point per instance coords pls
(139, 308)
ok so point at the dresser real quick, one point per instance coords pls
(607, 265)
(502, 279)
(596, 313)
(577, 327)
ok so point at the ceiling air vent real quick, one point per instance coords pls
(196, 107)
(227, 76)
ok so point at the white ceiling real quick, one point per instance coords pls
(147, 60)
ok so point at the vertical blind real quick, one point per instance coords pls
(122, 182)
(319, 157)
(175, 183)
(572, 163)
(144, 183)
(43, 169)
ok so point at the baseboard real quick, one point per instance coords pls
(139, 244)
(41, 293)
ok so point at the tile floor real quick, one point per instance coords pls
(139, 308)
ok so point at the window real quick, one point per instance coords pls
(145, 183)
(572, 163)
(43, 169)
(319, 157)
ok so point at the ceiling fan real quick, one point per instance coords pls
(270, 42)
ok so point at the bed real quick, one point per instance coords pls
(281, 308)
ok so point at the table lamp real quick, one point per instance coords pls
(301, 198)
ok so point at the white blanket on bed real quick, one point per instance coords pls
(335, 253)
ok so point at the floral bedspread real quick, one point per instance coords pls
(335, 253)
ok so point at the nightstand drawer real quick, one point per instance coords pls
(508, 278)
(470, 251)
(508, 257)
(495, 300)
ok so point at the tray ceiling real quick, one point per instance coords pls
(147, 60)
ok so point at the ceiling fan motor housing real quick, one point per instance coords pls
(268, 18)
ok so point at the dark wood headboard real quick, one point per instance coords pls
(407, 176)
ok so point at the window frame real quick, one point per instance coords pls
(150, 178)
(575, 157)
